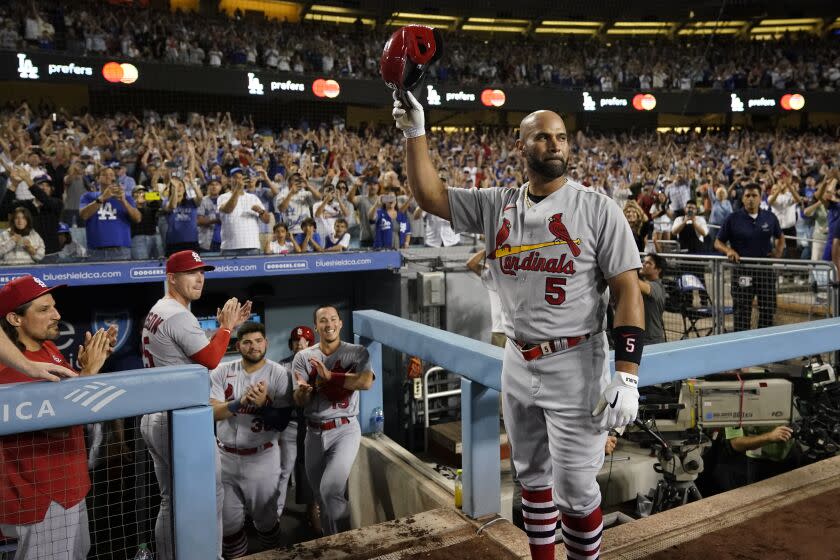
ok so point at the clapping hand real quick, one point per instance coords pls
(256, 395)
(95, 351)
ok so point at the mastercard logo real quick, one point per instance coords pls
(115, 73)
(493, 98)
(644, 102)
(792, 101)
(325, 88)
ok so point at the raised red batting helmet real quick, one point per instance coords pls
(407, 55)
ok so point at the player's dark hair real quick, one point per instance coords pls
(250, 327)
(659, 262)
(279, 225)
(752, 187)
(319, 308)
(341, 220)
(10, 330)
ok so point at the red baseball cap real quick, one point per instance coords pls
(185, 261)
(302, 332)
(22, 290)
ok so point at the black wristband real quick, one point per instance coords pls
(628, 343)
(234, 406)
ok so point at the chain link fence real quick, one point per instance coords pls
(707, 294)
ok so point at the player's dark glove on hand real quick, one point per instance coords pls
(619, 403)
(276, 418)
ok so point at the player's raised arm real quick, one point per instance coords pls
(423, 178)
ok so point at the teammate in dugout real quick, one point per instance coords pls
(328, 377)
(43, 475)
(172, 336)
(252, 402)
(292, 442)
(553, 247)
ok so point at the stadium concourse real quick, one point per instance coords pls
(240, 160)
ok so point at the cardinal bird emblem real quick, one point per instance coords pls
(228, 392)
(560, 233)
(501, 237)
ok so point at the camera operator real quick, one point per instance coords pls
(769, 451)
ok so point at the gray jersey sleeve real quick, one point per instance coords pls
(474, 210)
(183, 329)
(282, 387)
(217, 386)
(616, 249)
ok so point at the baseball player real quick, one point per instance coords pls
(172, 336)
(292, 441)
(554, 247)
(328, 377)
(252, 400)
(43, 475)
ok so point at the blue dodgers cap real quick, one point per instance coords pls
(234, 171)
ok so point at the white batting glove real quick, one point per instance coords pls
(619, 403)
(410, 120)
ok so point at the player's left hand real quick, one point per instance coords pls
(257, 394)
(619, 402)
(321, 369)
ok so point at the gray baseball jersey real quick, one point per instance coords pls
(229, 382)
(549, 261)
(348, 358)
(171, 334)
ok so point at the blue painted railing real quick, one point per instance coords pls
(480, 366)
(184, 390)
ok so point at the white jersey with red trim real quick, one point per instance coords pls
(171, 334)
(348, 358)
(245, 430)
(550, 260)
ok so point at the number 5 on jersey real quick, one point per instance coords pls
(555, 294)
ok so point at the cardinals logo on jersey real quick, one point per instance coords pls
(555, 226)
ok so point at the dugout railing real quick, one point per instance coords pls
(480, 364)
(182, 391)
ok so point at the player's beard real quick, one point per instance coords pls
(251, 360)
(550, 169)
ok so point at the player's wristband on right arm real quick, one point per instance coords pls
(234, 406)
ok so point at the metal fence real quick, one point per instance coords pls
(706, 294)
(121, 503)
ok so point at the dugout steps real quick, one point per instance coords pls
(444, 530)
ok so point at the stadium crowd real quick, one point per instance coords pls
(123, 187)
(93, 27)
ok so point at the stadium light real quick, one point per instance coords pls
(709, 31)
(566, 30)
(338, 19)
(499, 21)
(638, 24)
(432, 17)
(493, 28)
(331, 9)
(627, 31)
(562, 23)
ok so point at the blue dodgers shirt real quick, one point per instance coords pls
(183, 223)
(110, 226)
(750, 237)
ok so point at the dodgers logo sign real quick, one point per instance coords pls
(122, 320)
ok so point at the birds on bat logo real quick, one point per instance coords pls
(556, 228)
